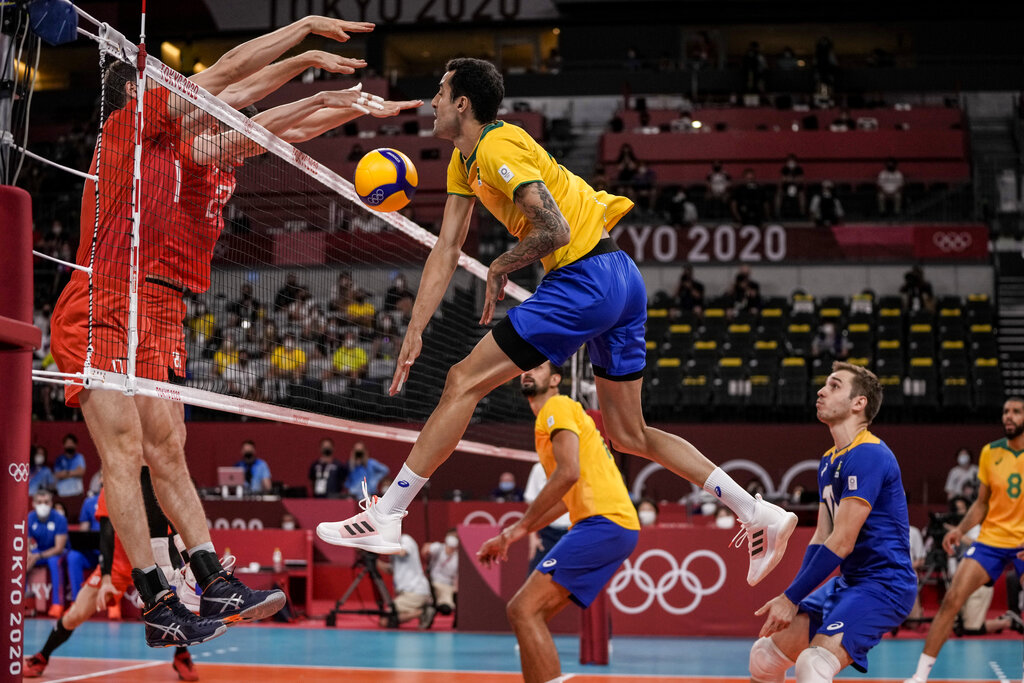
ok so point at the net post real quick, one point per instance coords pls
(133, 270)
(17, 339)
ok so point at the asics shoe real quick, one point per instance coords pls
(231, 601)
(369, 530)
(184, 667)
(184, 583)
(168, 624)
(767, 535)
(34, 666)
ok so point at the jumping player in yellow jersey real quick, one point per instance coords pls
(999, 509)
(592, 294)
(583, 479)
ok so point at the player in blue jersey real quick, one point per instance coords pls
(862, 531)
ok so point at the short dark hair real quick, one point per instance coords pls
(865, 383)
(645, 499)
(116, 75)
(71, 436)
(249, 442)
(480, 82)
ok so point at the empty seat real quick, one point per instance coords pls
(921, 384)
(792, 384)
(798, 339)
(983, 342)
(715, 324)
(921, 340)
(657, 324)
(892, 390)
(987, 379)
(732, 385)
(739, 340)
(663, 388)
(679, 340)
(861, 338)
(956, 391)
(889, 357)
(953, 358)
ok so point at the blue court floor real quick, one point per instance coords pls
(119, 644)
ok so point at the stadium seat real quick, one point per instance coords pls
(657, 324)
(892, 390)
(987, 377)
(798, 339)
(983, 341)
(921, 340)
(772, 323)
(861, 339)
(979, 309)
(695, 390)
(889, 358)
(703, 357)
(802, 309)
(792, 384)
(951, 323)
(833, 309)
(956, 391)
(953, 358)
(679, 340)
(764, 359)
(739, 340)
(921, 386)
(732, 384)
(714, 326)
(663, 388)
(762, 389)
(890, 322)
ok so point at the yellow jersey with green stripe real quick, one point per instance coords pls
(1001, 469)
(599, 489)
(505, 158)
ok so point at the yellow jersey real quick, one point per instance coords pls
(288, 360)
(599, 489)
(505, 158)
(1001, 469)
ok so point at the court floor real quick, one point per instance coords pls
(105, 651)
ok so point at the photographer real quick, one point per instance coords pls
(362, 466)
(412, 592)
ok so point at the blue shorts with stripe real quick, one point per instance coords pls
(994, 560)
(861, 613)
(599, 300)
(588, 556)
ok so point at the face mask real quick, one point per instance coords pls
(288, 526)
(70, 450)
(359, 454)
(963, 460)
(40, 460)
(707, 508)
(725, 522)
(507, 485)
(327, 451)
(451, 541)
(248, 455)
(43, 510)
(647, 517)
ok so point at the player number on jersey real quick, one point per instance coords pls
(220, 198)
(1013, 486)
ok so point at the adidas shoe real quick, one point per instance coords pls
(168, 624)
(34, 666)
(767, 535)
(231, 601)
(369, 530)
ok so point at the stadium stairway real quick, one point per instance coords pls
(1010, 297)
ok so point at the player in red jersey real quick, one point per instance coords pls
(128, 430)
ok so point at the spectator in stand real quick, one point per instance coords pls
(917, 292)
(320, 367)
(40, 475)
(412, 591)
(676, 207)
(643, 186)
(633, 60)
(787, 60)
(684, 124)
(825, 65)
(843, 123)
(242, 378)
(755, 68)
(745, 293)
(646, 127)
(87, 520)
(342, 295)
(830, 344)
(351, 360)
(226, 356)
(302, 310)
(690, 292)
(69, 470)
(507, 491)
(288, 361)
(627, 165)
(397, 292)
(288, 293)
(361, 310)
(599, 181)
(96, 483)
(647, 512)
(246, 306)
(48, 538)
(749, 204)
(201, 322)
(387, 341)
(718, 182)
(963, 472)
(257, 471)
(890, 188)
(826, 210)
(791, 199)
(288, 522)
(553, 63)
(442, 561)
(361, 466)
(326, 474)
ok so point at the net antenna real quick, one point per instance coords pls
(302, 185)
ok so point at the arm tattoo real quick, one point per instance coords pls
(550, 229)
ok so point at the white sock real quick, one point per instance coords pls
(208, 547)
(723, 487)
(401, 493)
(161, 552)
(924, 667)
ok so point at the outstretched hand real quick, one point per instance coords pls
(412, 345)
(780, 613)
(338, 29)
(319, 59)
(951, 541)
(106, 596)
(391, 108)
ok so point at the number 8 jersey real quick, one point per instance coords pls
(1001, 469)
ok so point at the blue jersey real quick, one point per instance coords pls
(45, 533)
(88, 512)
(867, 469)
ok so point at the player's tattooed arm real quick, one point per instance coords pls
(550, 229)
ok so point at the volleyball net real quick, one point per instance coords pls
(221, 266)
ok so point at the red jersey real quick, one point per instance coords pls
(204, 192)
(113, 163)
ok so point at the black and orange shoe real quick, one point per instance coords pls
(169, 623)
(229, 600)
(35, 666)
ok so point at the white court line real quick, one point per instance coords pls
(998, 670)
(134, 667)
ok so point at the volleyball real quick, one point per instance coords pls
(385, 179)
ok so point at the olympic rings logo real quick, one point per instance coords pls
(508, 517)
(952, 241)
(19, 471)
(677, 573)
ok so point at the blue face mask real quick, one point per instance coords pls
(506, 485)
